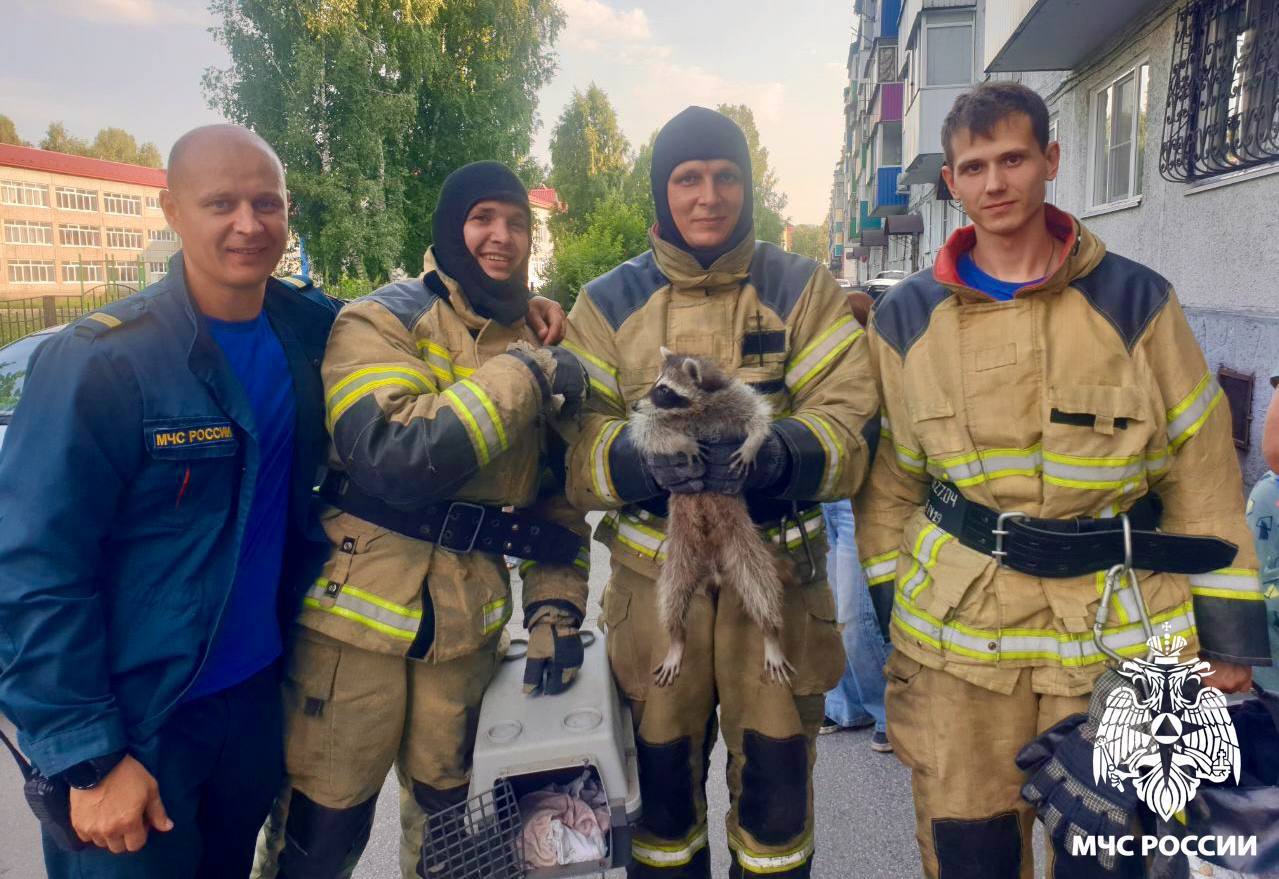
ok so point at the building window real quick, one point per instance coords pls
(115, 203)
(1118, 133)
(123, 272)
(34, 195)
(157, 269)
(82, 272)
(72, 199)
(162, 235)
(72, 235)
(1050, 191)
(891, 151)
(30, 271)
(153, 202)
(23, 232)
(124, 239)
(948, 49)
(1223, 89)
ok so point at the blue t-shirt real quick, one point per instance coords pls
(974, 277)
(248, 637)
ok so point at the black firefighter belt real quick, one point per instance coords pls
(459, 526)
(1073, 547)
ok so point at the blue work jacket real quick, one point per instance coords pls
(125, 482)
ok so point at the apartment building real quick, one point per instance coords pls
(70, 224)
(1168, 119)
(545, 202)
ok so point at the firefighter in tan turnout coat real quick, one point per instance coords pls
(1080, 395)
(779, 322)
(435, 426)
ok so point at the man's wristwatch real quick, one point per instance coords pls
(89, 773)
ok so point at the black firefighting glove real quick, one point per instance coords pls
(772, 463)
(1071, 805)
(678, 473)
(554, 651)
(559, 374)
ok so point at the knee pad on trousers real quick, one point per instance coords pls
(773, 803)
(988, 848)
(319, 841)
(435, 799)
(666, 787)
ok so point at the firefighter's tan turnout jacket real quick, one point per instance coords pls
(777, 321)
(424, 404)
(1083, 393)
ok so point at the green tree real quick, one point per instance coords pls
(117, 145)
(809, 240)
(149, 155)
(371, 103)
(9, 132)
(614, 232)
(590, 157)
(769, 201)
(637, 188)
(59, 140)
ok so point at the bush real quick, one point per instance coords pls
(349, 288)
(615, 231)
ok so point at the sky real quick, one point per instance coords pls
(137, 64)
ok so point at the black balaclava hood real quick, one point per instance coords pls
(700, 134)
(502, 301)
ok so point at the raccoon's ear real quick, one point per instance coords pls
(667, 353)
(693, 370)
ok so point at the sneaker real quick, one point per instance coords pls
(879, 742)
(828, 726)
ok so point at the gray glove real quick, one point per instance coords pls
(554, 652)
(560, 375)
(677, 474)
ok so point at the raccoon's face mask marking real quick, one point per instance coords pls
(666, 397)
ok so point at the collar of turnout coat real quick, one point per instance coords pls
(1078, 253)
(683, 270)
(458, 300)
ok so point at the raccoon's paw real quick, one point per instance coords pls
(775, 663)
(741, 462)
(666, 673)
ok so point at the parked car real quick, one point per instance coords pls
(13, 367)
(895, 274)
(845, 286)
(877, 286)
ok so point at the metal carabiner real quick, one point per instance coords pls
(1113, 576)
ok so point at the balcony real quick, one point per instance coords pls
(886, 201)
(1052, 34)
(889, 12)
(865, 220)
(886, 103)
(922, 155)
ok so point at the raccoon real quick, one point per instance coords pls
(710, 538)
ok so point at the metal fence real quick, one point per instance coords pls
(19, 317)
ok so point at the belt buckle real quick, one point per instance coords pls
(1001, 532)
(457, 514)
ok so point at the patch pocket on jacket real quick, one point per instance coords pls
(309, 682)
(190, 438)
(938, 429)
(1095, 438)
(818, 650)
(767, 381)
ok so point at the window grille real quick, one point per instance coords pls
(1223, 89)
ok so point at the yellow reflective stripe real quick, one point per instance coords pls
(661, 854)
(495, 615)
(582, 562)
(601, 475)
(908, 459)
(464, 371)
(1188, 417)
(881, 568)
(358, 393)
(602, 375)
(1069, 650)
(1239, 584)
(813, 359)
(764, 862)
(406, 372)
(365, 608)
(480, 415)
(821, 429)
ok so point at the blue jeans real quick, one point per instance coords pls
(859, 695)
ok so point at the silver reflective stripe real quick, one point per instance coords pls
(977, 467)
(1237, 583)
(927, 545)
(473, 397)
(1068, 650)
(669, 855)
(639, 536)
(1079, 472)
(603, 377)
(364, 608)
(495, 615)
(758, 862)
(601, 476)
(830, 444)
(1185, 419)
(812, 360)
(881, 568)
